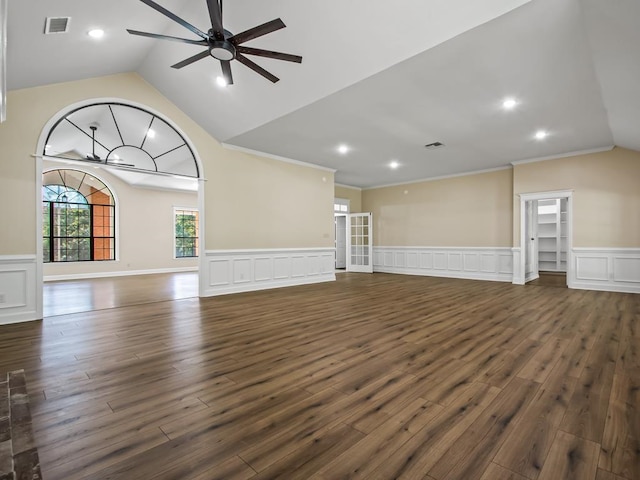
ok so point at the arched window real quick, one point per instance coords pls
(78, 217)
(125, 138)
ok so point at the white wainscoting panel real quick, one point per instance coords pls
(518, 275)
(475, 263)
(18, 288)
(609, 269)
(234, 271)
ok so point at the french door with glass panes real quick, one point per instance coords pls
(360, 243)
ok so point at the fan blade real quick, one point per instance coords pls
(256, 32)
(215, 14)
(269, 54)
(167, 37)
(256, 68)
(226, 71)
(175, 18)
(190, 60)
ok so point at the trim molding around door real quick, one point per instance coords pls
(519, 259)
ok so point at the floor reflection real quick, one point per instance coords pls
(75, 296)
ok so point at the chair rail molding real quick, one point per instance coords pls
(235, 271)
(18, 284)
(473, 263)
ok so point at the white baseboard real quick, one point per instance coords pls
(235, 271)
(473, 263)
(18, 286)
(122, 273)
(607, 269)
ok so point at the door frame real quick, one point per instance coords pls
(519, 259)
(533, 232)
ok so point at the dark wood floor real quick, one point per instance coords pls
(372, 376)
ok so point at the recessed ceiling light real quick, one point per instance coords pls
(394, 164)
(220, 80)
(343, 149)
(151, 133)
(509, 103)
(96, 33)
(541, 134)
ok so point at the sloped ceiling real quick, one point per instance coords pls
(384, 78)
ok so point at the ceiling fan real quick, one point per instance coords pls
(222, 44)
(92, 157)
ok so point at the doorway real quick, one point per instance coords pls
(341, 209)
(59, 143)
(545, 239)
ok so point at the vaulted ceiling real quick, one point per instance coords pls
(383, 78)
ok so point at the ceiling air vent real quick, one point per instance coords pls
(57, 25)
(434, 145)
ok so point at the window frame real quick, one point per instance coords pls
(53, 208)
(176, 212)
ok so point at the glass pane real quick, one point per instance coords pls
(46, 249)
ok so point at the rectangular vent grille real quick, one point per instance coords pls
(434, 145)
(57, 25)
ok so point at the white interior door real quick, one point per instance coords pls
(360, 243)
(341, 241)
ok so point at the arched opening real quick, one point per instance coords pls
(133, 148)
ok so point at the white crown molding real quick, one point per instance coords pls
(442, 177)
(564, 155)
(276, 157)
(348, 186)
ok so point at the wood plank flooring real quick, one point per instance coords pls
(369, 377)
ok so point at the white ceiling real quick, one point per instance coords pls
(385, 78)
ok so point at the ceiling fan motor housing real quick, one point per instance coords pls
(222, 50)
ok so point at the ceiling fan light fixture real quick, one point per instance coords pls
(221, 81)
(222, 50)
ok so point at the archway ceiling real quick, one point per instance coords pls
(384, 77)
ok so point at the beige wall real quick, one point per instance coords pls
(254, 202)
(353, 194)
(242, 194)
(466, 211)
(145, 233)
(606, 195)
